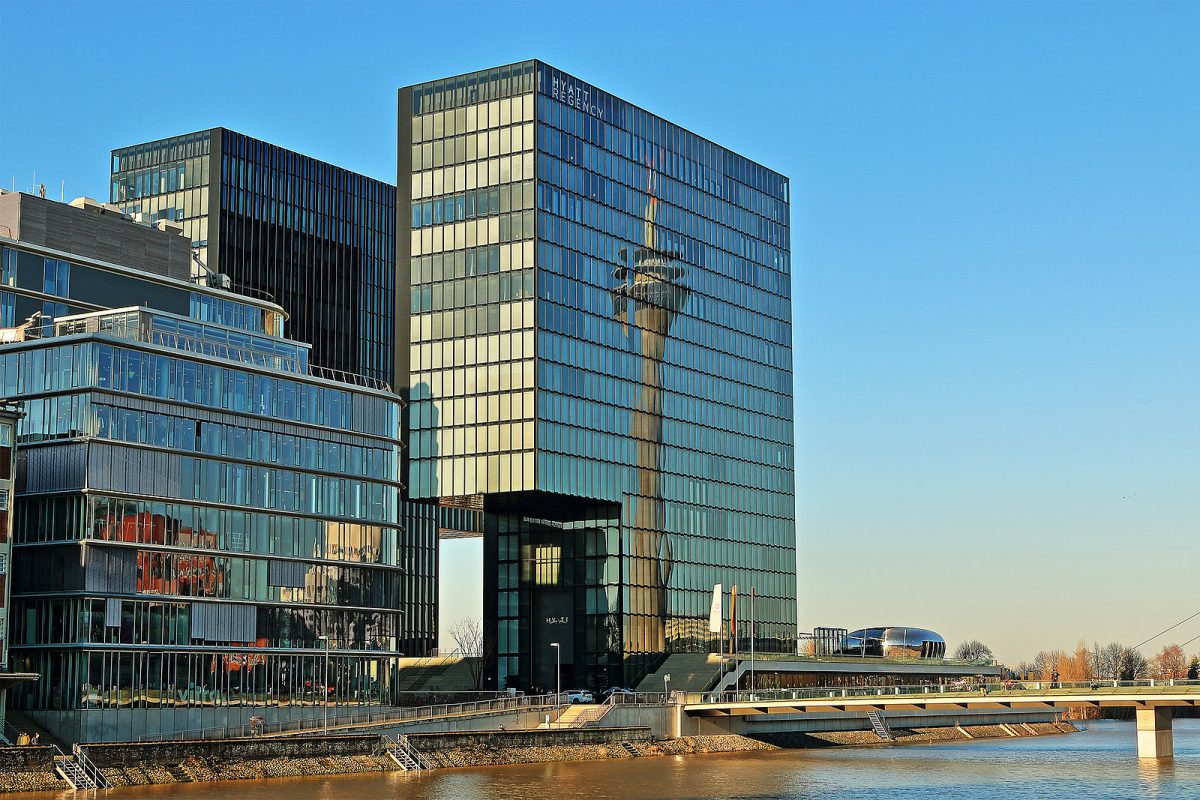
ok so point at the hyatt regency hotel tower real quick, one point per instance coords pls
(597, 308)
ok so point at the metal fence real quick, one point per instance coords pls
(343, 723)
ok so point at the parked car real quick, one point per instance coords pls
(579, 696)
(622, 694)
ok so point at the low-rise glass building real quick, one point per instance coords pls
(199, 521)
(204, 529)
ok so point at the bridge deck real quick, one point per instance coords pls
(936, 699)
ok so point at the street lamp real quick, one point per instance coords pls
(557, 669)
(666, 687)
(325, 683)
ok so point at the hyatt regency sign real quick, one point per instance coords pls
(576, 96)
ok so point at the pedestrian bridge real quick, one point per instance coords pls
(1152, 701)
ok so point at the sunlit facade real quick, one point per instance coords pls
(599, 349)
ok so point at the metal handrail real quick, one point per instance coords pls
(370, 718)
(965, 687)
(89, 768)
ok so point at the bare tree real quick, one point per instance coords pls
(1106, 660)
(973, 650)
(468, 637)
(1132, 665)
(1170, 663)
(1046, 662)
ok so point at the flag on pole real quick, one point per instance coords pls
(714, 612)
(733, 619)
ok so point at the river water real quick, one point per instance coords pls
(1098, 763)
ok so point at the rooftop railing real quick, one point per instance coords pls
(138, 326)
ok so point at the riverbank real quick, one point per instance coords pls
(142, 764)
(497, 754)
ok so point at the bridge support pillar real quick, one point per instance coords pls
(1154, 736)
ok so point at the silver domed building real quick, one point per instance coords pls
(893, 642)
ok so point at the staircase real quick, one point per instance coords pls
(880, 726)
(436, 674)
(578, 716)
(78, 770)
(631, 749)
(404, 754)
(690, 672)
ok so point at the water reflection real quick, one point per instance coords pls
(1100, 763)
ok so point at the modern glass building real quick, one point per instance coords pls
(205, 530)
(598, 317)
(317, 239)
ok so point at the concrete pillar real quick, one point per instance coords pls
(1154, 738)
(677, 720)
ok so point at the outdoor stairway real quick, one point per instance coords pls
(437, 674)
(880, 726)
(404, 754)
(78, 770)
(579, 715)
(690, 672)
(631, 749)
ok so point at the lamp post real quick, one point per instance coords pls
(752, 634)
(667, 687)
(557, 670)
(325, 683)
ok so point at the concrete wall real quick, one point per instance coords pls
(128, 724)
(129, 754)
(106, 236)
(659, 719)
(27, 759)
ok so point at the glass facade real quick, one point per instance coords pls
(200, 520)
(629, 425)
(58, 284)
(170, 179)
(280, 223)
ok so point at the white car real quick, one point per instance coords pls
(579, 696)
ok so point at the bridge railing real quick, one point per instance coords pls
(858, 659)
(348, 723)
(964, 688)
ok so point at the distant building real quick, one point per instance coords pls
(893, 642)
(205, 529)
(317, 239)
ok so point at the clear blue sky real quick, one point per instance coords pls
(996, 230)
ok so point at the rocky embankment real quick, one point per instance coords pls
(496, 754)
(210, 763)
(29, 781)
(196, 769)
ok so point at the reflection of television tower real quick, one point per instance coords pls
(648, 295)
